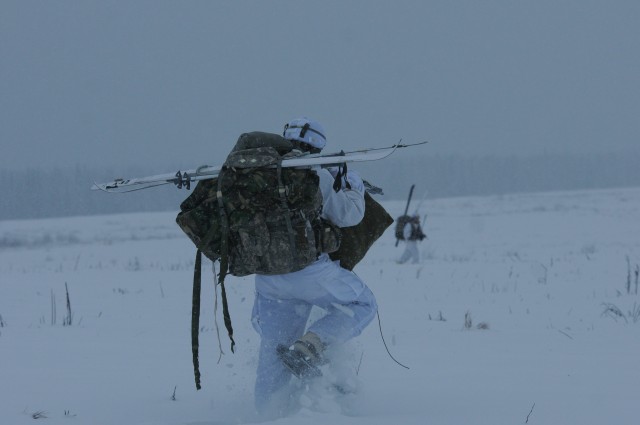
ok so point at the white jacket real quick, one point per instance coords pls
(406, 232)
(344, 208)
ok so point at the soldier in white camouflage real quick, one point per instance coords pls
(290, 345)
(411, 234)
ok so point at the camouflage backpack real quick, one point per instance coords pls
(267, 219)
(400, 223)
(416, 229)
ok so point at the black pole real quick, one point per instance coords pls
(406, 209)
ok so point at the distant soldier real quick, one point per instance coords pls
(408, 229)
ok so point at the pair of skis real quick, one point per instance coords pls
(184, 179)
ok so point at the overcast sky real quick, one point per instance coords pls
(123, 82)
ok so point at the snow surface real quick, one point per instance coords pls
(546, 273)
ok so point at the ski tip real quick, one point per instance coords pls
(97, 186)
(407, 145)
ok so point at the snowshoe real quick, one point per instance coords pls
(301, 366)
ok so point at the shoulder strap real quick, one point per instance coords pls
(285, 207)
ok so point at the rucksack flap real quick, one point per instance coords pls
(356, 240)
(259, 139)
(263, 245)
(252, 158)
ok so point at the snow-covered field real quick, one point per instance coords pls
(543, 278)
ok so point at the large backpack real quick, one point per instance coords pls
(267, 219)
(401, 222)
(416, 229)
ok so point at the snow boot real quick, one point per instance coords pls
(304, 356)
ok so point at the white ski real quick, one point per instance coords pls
(185, 178)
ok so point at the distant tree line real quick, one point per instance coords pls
(61, 192)
(456, 175)
(57, 192)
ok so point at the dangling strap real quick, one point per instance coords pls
(342, 173)
(224, 260)
(227, 317)
(285, 208)
(195, 317)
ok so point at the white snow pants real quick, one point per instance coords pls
(282, 307)
(410, 252)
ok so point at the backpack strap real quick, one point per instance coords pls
(342, 174)
(224, 260)
(195, 317)
(285, 207)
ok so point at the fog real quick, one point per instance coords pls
(155, 86)
(37, 193)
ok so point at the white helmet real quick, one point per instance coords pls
(305, 130)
